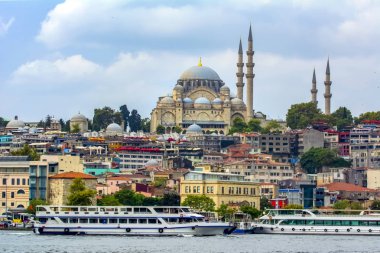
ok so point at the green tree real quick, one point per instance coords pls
(80, 195)
(41, 124)
(225, 211)
(254, 125)
(129, 198)
(134, 121)
(62, 123)
(160, 129)
(293, 206)
(105, 116)
(75, 129)
(125, 115)
(302, 115)
(108, 200)
(342, 204)
(272, 126)
(251, 211)
(35, 202)
(238, 126)
(177, 129)
(314, 159)
(199, 202)
(3, 122)
(342, 117)
(375, 205)
(145, 125)
(170, 199)
(367, 116)
(28, 151)
(67, 126)
(265, 204)
(48, 121)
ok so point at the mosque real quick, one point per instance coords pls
(201, 97)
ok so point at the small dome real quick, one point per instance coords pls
(237, 101)
(114, 128)
(217, 101)
(194, 129)
(178, 88)
(79, 117)
(179, 100)
(187, 100)
(201, 100)
(167, 100)
(200, 73)
(224, 88)
(15, 123)
(152, 162)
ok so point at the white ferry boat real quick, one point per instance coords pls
(332, 222)
(125, 220)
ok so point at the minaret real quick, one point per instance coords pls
(314, 90)
(240, 74)
(327, 89)
(250, 76)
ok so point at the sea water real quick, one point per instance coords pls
(25, 241)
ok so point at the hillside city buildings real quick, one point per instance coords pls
(234, 170)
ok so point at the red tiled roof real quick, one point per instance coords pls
(72, 175)
(340, 186)
(119, 178)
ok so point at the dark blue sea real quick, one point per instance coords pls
(25, 241)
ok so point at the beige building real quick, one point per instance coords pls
(200, 96)
(223, 188)
(66, 163)
(59, 186)
(14, 183)
(373, 179)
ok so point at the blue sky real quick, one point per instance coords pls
(61, 57)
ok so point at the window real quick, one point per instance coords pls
(132, 221)
(112, 221)
(18, 181)
(20, 191)
(12, 195)
(142, 221)
(13, 181)
(3, 195)
(92, 220)
(73, 220)
(83, 220)
(64, 220)
(4, 181)
(123, 220)
(152, 221)
(23, 181)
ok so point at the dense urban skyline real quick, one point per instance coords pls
(59, 57)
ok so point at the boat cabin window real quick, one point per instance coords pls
(93, 220)
(141, 210)
(112, 221)
(64, 220)
(174, 210)
(41, 209)
(83, 220)
(159, 210)
(92, 209)
(185, 210)
(103, 220)
(372, 223)
(319, 222)
(123, 220)
(73, 220)
(152, 221)
(132, 221)
(143, 221)
(110, 209)
(83, 209)
(43, 220)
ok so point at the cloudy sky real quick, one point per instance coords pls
(61, 57)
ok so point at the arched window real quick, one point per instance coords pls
(20, 192)
(20, 206)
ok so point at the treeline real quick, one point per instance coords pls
(102, 118)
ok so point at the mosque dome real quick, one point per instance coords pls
(152, 162)
(194, 129)
(167, 100)
(200, 72)
(178, 88)
(187, 100)
(79, 117)
(237, 101)
(202, 100)
(224, 88)
(217, 101)
(114, 128)
(15, 123)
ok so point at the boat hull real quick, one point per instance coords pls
(196, 230)
(269, 229)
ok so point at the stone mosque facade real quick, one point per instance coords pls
(201, 97)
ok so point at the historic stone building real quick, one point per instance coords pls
(201, 97)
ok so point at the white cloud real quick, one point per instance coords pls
(137, 79)
(5, 25)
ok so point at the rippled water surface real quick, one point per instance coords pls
(11, 241)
